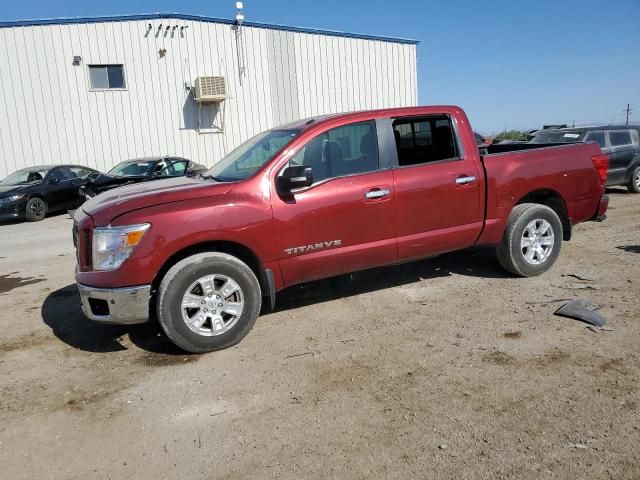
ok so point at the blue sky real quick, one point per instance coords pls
(509, 64)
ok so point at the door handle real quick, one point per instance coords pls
(372, 194)
(465, 180)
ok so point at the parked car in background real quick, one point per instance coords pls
(480, 140)
(31, 193)
(533, 133)
(620, 143)
(140, 170)
(322, 197)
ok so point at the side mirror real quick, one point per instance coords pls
(295, 176)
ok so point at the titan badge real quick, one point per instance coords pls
(313, 247)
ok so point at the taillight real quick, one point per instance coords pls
(601, 164)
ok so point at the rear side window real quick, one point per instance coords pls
(619, 138)
(180, 167)
(346, 150)
(598, 137)
(424, 139)
(79, 171)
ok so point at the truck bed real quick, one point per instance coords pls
(515, 147)
(515, 171)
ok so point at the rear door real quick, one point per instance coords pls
(345, 221)
(78, 178)
(621, 153)
(438, 187)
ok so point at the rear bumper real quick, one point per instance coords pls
(602, 209)
(122, 306)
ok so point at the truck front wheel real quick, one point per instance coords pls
(531, 241)
(208, 301)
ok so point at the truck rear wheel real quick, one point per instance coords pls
(208, 301)
(531, 241)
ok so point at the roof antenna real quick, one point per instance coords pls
(239, 14)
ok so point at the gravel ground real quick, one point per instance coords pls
(445, 368)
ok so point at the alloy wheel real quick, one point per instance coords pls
(537, 241)
(212, 305)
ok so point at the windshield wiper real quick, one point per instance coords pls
(214, 178)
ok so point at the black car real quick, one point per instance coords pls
(32, 192)
(621, 143)
(140, 170)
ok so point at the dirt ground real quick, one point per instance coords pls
(445, 368)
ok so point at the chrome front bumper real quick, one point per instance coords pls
(123, 306)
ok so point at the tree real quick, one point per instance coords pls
(511, 135)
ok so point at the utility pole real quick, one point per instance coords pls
(628, 111)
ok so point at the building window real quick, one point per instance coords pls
(106, 77)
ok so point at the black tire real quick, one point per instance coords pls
(36, 209)
(176, 284)
(634, 181)
(510, 252)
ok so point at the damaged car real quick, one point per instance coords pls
(139, 170)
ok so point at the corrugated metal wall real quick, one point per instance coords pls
(50, 114)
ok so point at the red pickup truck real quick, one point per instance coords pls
(321, 197)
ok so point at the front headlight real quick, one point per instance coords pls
(12, 198)
(113, 245)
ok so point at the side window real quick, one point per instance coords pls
(346, 150)
(77, 172)
(164, 168)
(59, 174)
(180, 167)
(619, 138)
(424, 139)
(596, 136)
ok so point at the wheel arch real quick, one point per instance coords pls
(238, 250)
(635, 162)
(555, 202)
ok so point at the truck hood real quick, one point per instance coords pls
(113, 203)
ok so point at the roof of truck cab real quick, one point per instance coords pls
(309, 122)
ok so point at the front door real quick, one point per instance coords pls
(62, 190)
(438, 188)
(343, 222)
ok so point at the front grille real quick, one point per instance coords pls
(86, 250)
(82, 233)
(74, 234)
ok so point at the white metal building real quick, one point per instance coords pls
(97, 91)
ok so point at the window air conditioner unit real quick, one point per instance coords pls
(210, 89)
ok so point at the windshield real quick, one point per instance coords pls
(133, 168)
(558, 136)
(245, 160)
(26, 176)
